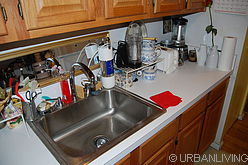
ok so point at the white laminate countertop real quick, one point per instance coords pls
(190, 82)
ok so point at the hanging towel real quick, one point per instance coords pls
(166, 99)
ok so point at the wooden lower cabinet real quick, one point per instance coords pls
(188, 139)
(156, 150)
(154, 145)
(161, 157)
(211, 123)
(191, 133)
(125, 161)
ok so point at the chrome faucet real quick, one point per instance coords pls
(89, 88)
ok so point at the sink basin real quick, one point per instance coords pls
(80, 132)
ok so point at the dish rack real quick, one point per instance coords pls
(128, 71)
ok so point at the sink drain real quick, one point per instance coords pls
(100, 140)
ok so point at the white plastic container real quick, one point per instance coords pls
(212, 59)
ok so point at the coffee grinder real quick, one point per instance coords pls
(178, 38)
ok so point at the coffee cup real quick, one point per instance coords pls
(150, 73)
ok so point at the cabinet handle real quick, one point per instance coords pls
(5, 17)
(176, 141)
(19, 6)
(153, 3)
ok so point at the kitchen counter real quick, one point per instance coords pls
(190, 82)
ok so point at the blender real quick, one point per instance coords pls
(178, 38)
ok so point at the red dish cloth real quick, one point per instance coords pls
(166, 99)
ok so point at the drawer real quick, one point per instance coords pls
(189, 115)
(161, 157)
(157, 141)
(125, 161)
(217, 92)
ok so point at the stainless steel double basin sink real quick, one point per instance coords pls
(82, 131)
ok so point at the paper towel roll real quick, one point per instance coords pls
(228, 52)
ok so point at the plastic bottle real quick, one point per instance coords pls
(66, 93)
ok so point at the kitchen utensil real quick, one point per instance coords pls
(178, 31)
(31, 95)
(192, 55)
(212, 58)
(150, 55)
(30, 112)
(122, 55)
(143, 28)
(178, 39)
(40, 70)
(123, 80)
(148, 43)
(182, 53)
(150, 73)
(202, 55)
(134, 40)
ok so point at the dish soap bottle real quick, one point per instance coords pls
(65, 89)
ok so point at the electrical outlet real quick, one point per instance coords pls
(167, 25)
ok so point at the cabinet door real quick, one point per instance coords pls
(168, 5)
(157, 141)
(210, 125)
(121, 8)
(13, 28)
(48, 13)
(162, 156)
(3, 29)
(195, 4)
(189, 137)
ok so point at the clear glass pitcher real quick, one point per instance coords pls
(134, 44)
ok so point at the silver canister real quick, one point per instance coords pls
(30, 112)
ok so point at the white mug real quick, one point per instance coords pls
(150, 73)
